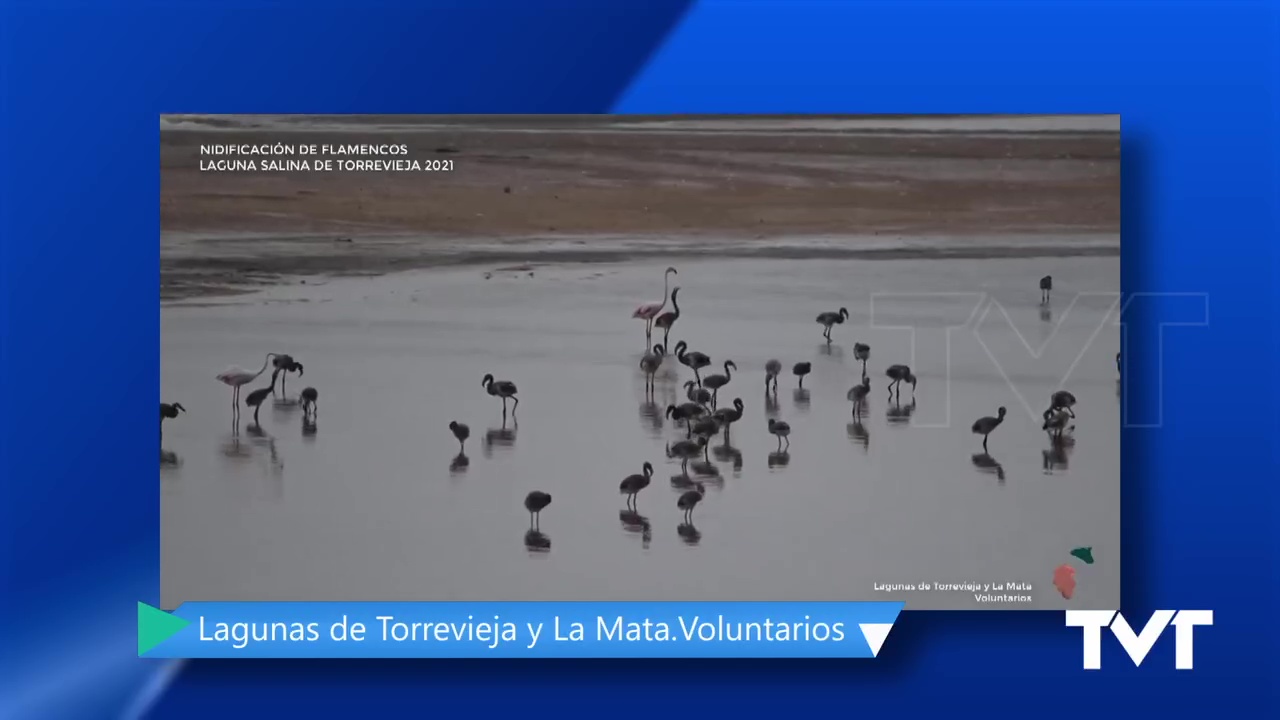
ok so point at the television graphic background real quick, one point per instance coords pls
(1195, 85)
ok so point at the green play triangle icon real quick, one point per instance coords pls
(155, 626)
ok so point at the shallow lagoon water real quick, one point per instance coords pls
(373, 502)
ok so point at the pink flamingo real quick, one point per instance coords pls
(236, 376)
(649, 311)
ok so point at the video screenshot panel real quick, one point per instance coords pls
(439, 358)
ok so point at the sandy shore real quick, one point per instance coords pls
(528, 184)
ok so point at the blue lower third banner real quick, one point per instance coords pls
(517, 629)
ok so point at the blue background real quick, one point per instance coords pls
(81, 85)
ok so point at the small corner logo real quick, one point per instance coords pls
(1139, 644)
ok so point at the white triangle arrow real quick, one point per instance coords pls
(875, 633)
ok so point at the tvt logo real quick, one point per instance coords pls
(1138, 645)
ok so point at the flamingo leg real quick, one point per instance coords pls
(984, 443)
(515, 405)
(788, 442)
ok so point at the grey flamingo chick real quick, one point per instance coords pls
(862, 352)
(696, 394)
(632, 484)
(693, 360)
(535, 502)
(828, 319)
(690, 499)
(257, 397)
(780, 430)
(503, 389)
(310, 401)
(461, 432)
(705, 429)
(169, 411)
(1046, 286)
(1061, 400)
(686, 412)
(1055, 422)
(715, 382)
(800, 370)
(728, 416)
(650, 363)
(668, 319)
(985, 426)
(686, 450)
(858, 394)
(900, 374)
(772, 370)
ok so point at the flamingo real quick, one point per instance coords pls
(780, 430)
(503, 389)
(650, 363)
(649, 311)
(310, 398)
(827, 319)
(686, 450)
(800, 370)
(1046, 286)
(686, 412)
(1055, 422)
(461, 432)
(632, 484)
(534, 502)
(899, 374)
(667, 319)
(715, 382)
(169, 411)
(690, 499)
(285, 364)
(985, 426)
(858, 394)
(693, 360)
(862, 351)
(702, 396)
(1061, 400)
(771, 371)
(257, 397)
(235, 377)
(729, 416)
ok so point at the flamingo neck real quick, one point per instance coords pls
(266, 361)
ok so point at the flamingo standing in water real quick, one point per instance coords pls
(502, 389)
(985, 425)
(715, 382)
(827, 319)
(236, 377)
(633, 484)
(858, 395)
(169, 411)
(771, 371)
(650, 363)
(649, 311)
(900, 374)
(667, 319)
(862, 351)
(535, 502)
(693, 360)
